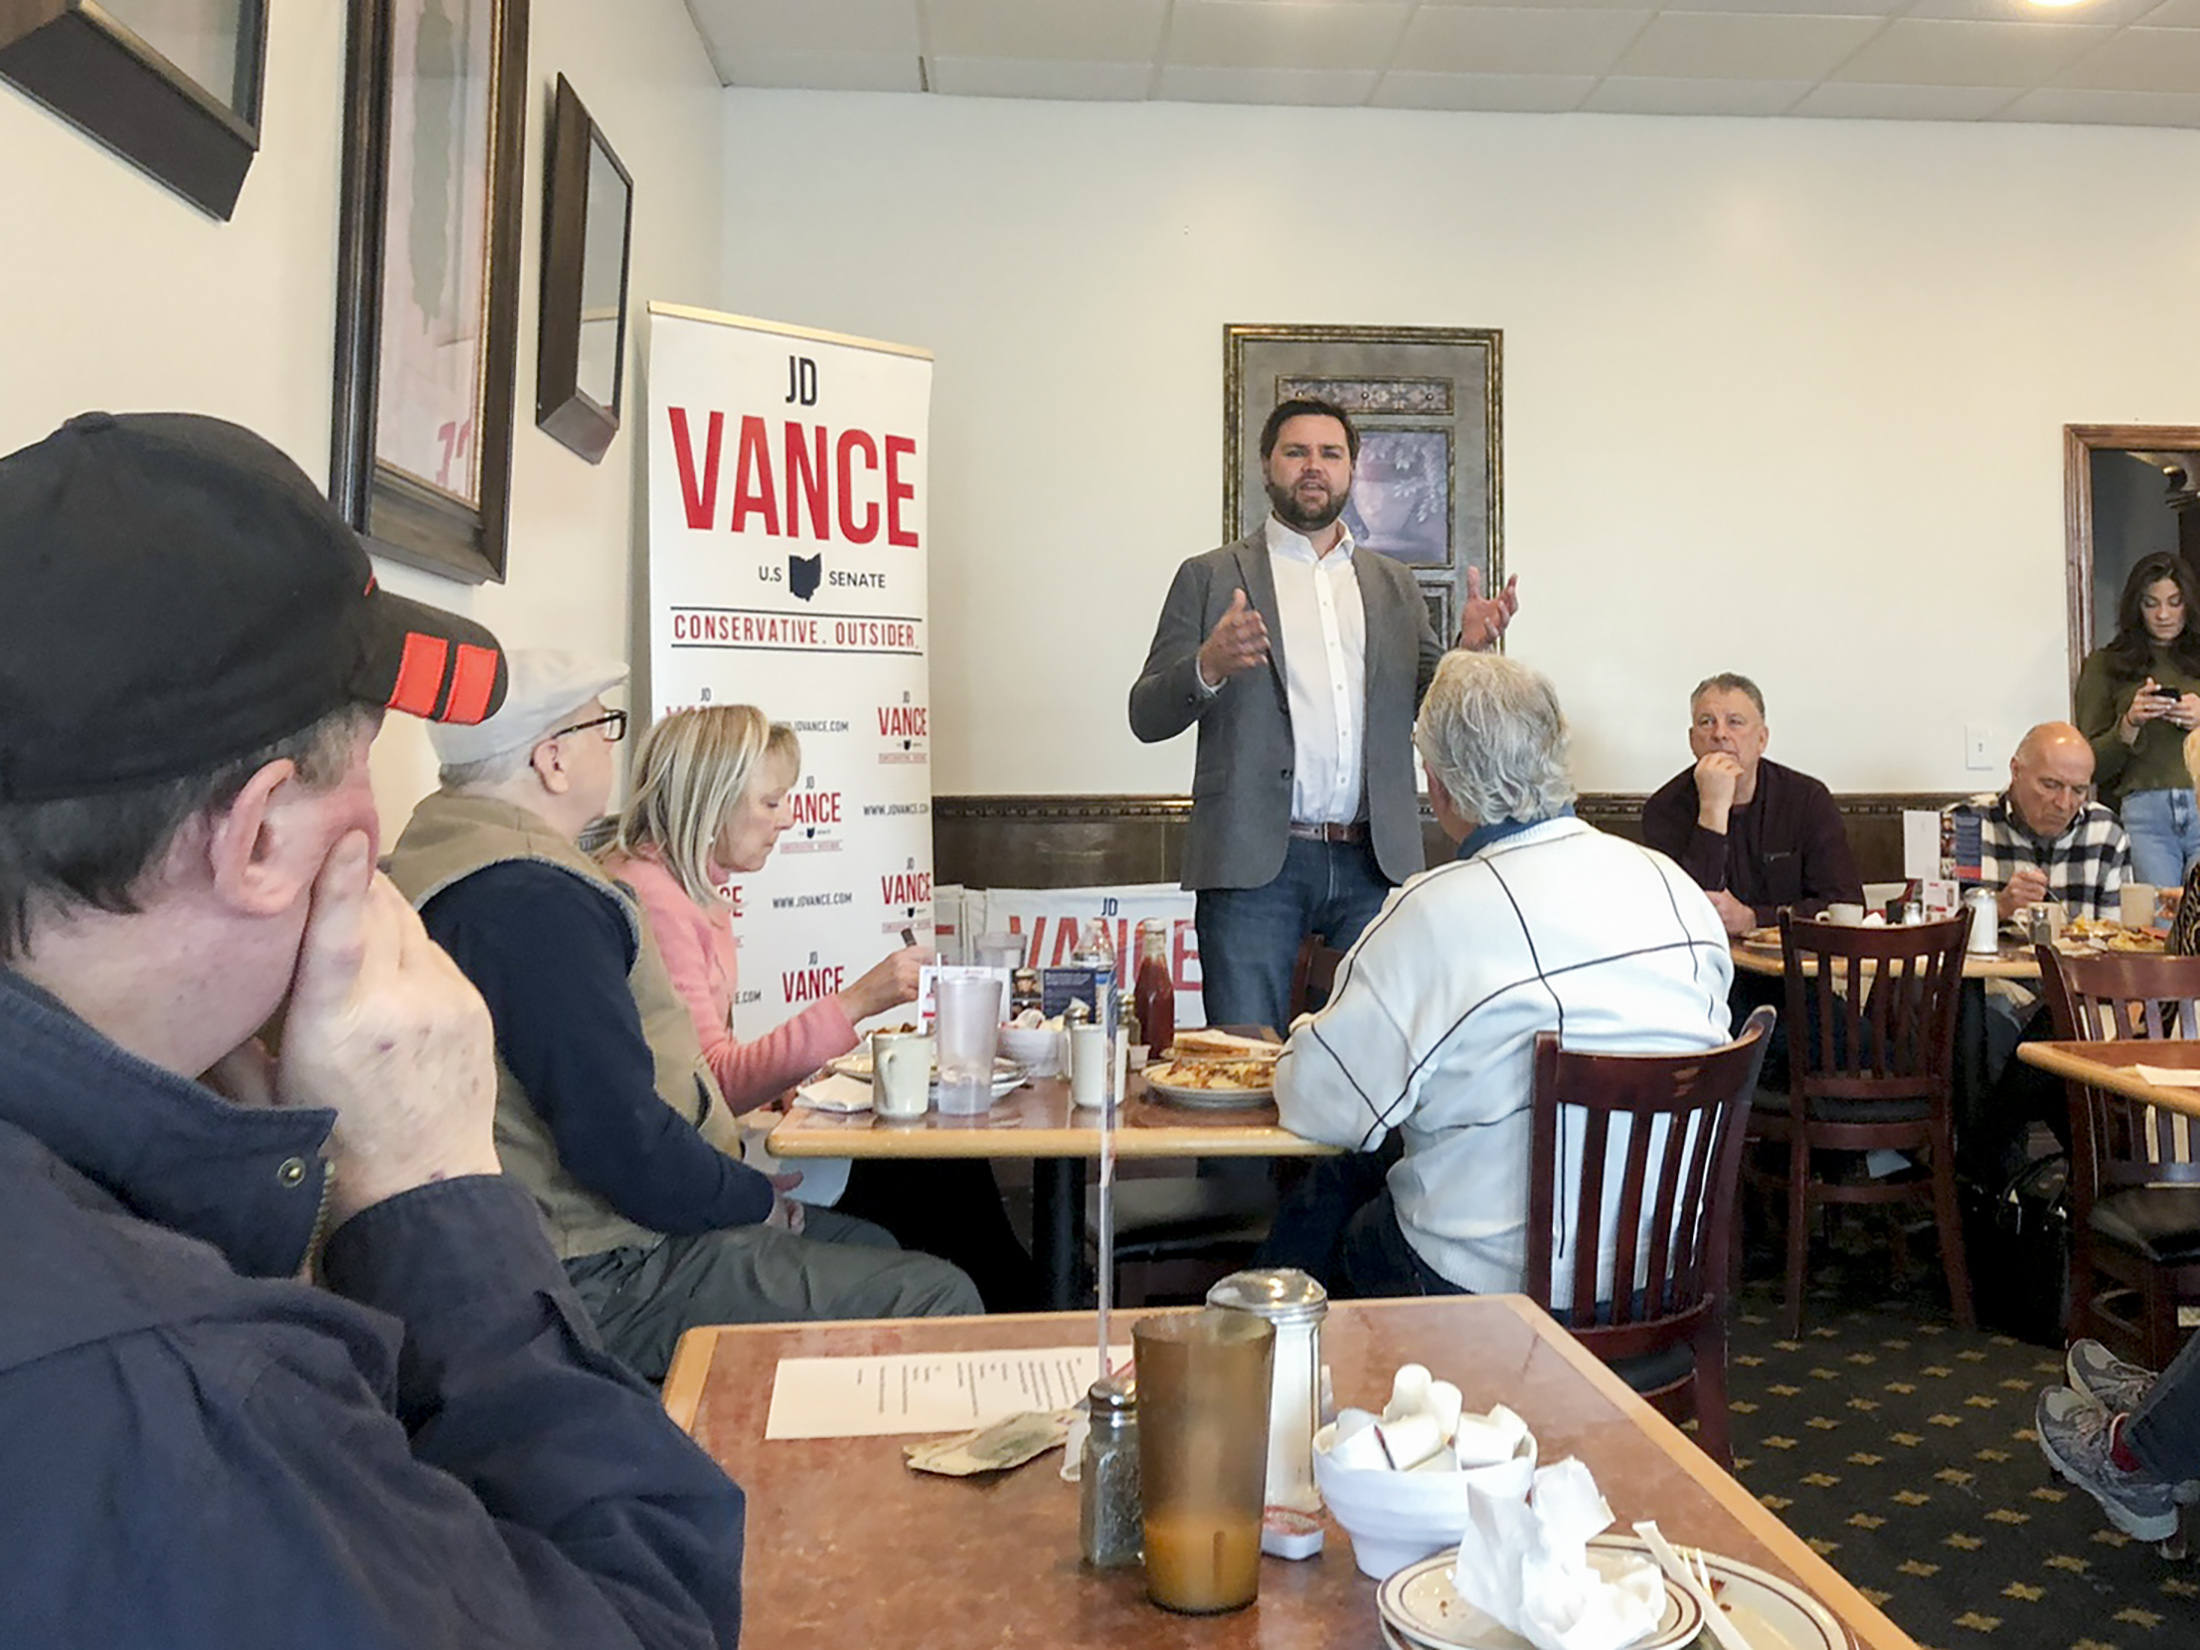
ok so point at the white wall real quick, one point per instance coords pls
(1780, 396)
(117, 293)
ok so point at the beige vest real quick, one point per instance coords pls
(449, 838)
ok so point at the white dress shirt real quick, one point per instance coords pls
(1324, 634)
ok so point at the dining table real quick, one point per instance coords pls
(2013, 960)
(2112, 1063)
(846, 1545)
(1035, 1120)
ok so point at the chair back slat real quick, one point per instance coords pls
(1657, 1139)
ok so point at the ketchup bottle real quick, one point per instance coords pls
(1153, 993)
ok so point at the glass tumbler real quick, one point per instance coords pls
(1203, 1386)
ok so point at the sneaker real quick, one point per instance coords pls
(2108, 1380)
(2073, 1432)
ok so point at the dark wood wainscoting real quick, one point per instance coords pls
(1097, 841)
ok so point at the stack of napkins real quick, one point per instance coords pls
(835, 1092)
(1525, 1562)
(1423, 1429)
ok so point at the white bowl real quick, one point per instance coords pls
(1400, 1518)
(1038, 1051)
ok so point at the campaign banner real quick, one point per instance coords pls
(1049, 920)
(787, 569)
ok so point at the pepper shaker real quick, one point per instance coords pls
(1109, 1514)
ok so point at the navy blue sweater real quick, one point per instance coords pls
(550, 955)
(202, 1451)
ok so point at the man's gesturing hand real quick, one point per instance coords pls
(383, 1028)
(1483, 618)
(1238, 642)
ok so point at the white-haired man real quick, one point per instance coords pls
(1540, 923)
(606, 1109)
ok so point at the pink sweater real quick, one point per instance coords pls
(699, 955)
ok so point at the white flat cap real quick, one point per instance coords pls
(544, 687)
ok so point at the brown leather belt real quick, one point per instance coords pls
(1354, 832)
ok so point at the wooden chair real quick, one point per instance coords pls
(1313, 977)
(1871, 1027)
(1657, 1140)
(2134, 1181)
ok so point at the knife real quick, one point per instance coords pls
(1716, 1620)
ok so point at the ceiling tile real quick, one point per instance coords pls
(1925, 52)
(2094, 13)
(1838, 101)
(1120, 31)
(1735, 46)
(1518, 94)
(2175, 14)
(1545, 5)
(1794, 8)
(1019, 77)
(2139, 60)
(823, 71)
(1285, 86)
(1284, 34)
(1620, 95)
(1515, 40)
(803, 26)
(2056, 103)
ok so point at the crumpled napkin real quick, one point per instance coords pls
(1525, 1563)
(836, 1093)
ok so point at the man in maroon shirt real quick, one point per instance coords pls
(1754, 835)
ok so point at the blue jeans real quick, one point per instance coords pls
(1249, 937)
(2164, 828)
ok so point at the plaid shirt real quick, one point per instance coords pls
(2085, 866)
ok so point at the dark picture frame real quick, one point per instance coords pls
(587, 242)
(136, 92)
(428, 267)
(1428, 489)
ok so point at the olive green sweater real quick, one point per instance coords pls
(2157, 761)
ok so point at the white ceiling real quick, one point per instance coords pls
(2114, 62)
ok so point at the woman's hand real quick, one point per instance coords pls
(2146, 706)
(889, 984)
(2185, 712)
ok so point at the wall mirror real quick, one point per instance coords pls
(2128, 491)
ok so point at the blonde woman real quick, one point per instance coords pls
(708, 803)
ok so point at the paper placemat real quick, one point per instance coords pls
(885, 1395)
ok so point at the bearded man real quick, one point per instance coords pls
(1302, 660)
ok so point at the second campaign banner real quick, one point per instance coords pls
(787, 569)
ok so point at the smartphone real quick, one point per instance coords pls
(2164, 693)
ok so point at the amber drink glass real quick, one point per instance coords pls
(1203, 1385)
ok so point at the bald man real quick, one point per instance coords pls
(2042, 838)
(2045, 837)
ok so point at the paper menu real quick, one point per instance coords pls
(889, 1394)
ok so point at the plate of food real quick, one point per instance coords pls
(1215, 1070)
(1007, 1073)
(2097, 934)
(1766, 939)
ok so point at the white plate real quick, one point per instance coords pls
(1773, 1614)
(1421, 1608)
(1007, 1073)
(1159, 1086)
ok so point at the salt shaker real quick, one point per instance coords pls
(1296, 1305)
(1109, 1515)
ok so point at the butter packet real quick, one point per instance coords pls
(1006, 1443)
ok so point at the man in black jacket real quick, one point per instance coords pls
(284, 1359)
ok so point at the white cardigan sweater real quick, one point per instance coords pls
(1431, 1026)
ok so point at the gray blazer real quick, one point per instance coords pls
(1241, 778)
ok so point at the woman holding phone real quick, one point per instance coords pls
(2136, 699)
(708, 803)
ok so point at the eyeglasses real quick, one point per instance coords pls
(613, 723)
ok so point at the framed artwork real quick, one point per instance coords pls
(587, 230)
(170, 85)
(427, 304)
(1428, 486)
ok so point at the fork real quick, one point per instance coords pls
(1691, 1574)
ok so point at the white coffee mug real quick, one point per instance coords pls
(901, 1073)
(1845, 912)
(2136, 904)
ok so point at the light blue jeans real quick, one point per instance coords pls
(2164, 827)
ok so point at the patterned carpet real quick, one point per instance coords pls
(1901, 1447)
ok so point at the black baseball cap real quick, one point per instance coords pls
(175, 593)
